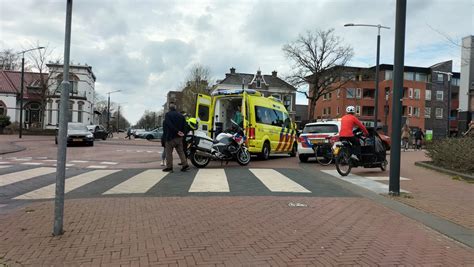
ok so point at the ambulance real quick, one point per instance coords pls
(266, 122)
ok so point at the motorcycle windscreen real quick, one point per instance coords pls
(204, 113)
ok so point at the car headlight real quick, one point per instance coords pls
(90, 135)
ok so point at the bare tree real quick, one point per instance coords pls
(318, 59)
(9, 60)
(197, 82)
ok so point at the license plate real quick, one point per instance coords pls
(77, 140)
(317, 141)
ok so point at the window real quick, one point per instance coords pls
(357, 110)
(73, 87)
(368, 93)
(338, 93)
(428, 95)
(427, 112)
(269, 116)
(417, 93)
(321, 128)
(259, 83)
(80, 108)
(388, 75)
(203, 112)
(410, 110)
(71, 106)
(277, 96)
(350, 93)
(416, 112)
(50, 112)
(455, 81)
(410, 92)
(405, 92)
(3, 108)
(359, 93)
(439, 113)
(338, 110)
(408, 76)
(440, 77)
(57, 112)
(287, 101)
(329, 111)
(368, 111)
(421, 77)
(404, 111)
(439, 95)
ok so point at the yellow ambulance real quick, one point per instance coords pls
(267, 125)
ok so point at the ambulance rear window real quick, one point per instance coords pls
(321, 128)
(203, 112)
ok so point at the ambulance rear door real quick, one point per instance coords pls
(204, 112)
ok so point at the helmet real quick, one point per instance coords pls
(350, 109)
(192, 123)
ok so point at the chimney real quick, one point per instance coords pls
(232, 70)
(274, 73)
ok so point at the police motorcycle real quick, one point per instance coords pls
(228, 145)
(373, 153)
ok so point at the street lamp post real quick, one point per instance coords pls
(449, 74)
(378, 26)
(22, 85)
(118, 115)
(108, 107)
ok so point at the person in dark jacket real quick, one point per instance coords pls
(173, 132)
(419, 135)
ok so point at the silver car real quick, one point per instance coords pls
(77, 133)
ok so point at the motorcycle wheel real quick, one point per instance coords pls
(243, 157)
(343, 162)
(199, 161)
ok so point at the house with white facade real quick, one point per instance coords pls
(81, 97)
(268, 85)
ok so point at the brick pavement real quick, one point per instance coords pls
(224, 231)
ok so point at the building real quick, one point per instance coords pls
(466, 87)
(301, 117)
(268, 85)
(175, 97)
(81, 98)
(10, 89)
(424, 102)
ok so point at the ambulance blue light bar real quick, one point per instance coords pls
(234, 92)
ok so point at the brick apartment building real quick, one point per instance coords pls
(424, 102)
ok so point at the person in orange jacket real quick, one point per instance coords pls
(348, 123)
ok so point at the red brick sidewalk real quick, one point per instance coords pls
(224, 231)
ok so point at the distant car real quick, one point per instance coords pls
(77, 133)
(149, 135)
(98, 131)
(136, 132)
(323, 131)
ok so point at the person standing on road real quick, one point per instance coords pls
(419, 136)
(348, 123)
(405, 137)
(173, 132)
(129, 133)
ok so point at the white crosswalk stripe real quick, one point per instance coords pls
(70, 184)
(139, 183)
(4, 166)
(277, 182)
(210, 180)
(11, 178)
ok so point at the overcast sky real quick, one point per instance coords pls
(146, 48)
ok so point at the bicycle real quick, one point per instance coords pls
(323, 153)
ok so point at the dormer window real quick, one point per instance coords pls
(259, 84)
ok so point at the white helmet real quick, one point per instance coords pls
(350, 109)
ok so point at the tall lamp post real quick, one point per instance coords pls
(118, 115)
(108, 107)
(22, 85)
(449, 74)
(378, 26)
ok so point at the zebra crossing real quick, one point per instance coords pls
(38, 183)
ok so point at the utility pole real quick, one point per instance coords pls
(62, 134)
(398, 66)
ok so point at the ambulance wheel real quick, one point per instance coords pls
(199, 161)
(265, 151)
(293, 150)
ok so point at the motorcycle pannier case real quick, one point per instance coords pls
(202, 141)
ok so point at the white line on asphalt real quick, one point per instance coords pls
(41, 157)
(384, 178)
(23, 159)
(97, 167)
(3, 162)
(361, 181)
(4, 166)
(32, 163)
(50, 160)
(11, 178)
(210, 180)
(277, 182)
(78, 161)
(139, 183)
(70, 184)
(109, 163)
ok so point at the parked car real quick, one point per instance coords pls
(135, 132)
(149, 135)
(321, 131)
(77, 133)
(98, 131)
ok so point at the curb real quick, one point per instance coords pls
(16, 148)
(429, 165)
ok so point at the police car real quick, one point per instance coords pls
(314, 133)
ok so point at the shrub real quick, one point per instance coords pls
(453, 153)
(4, 121)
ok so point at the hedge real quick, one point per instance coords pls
(456, 154)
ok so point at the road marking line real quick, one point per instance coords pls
(109, 163)
(31, 163)
(14, 177)
(70, 184)
(210, 180)
(78, 161)
(384, 178)
(3, 162)
(41, 157)
(277, 182)
(139, 183)
(5, 166)
(361, 181)
(97, 167)
(23, 159)
(50, 160)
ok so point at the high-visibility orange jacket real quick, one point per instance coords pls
(348, 122)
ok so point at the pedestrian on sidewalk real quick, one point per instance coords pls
(173, 132)
(129, 133)
(405, 137)
(419, 136)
